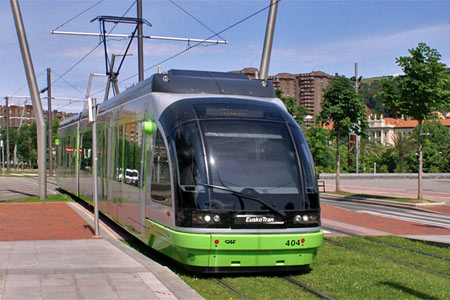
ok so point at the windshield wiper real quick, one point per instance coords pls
(242, 195)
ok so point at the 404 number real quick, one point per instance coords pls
(292, 243)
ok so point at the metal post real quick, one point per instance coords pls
(357, 136)
(3, 157)
(93, 119)
(50, 121)
(267, 50)
(34, 92)
(140, 41)
(7, 135)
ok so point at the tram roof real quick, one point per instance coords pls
(191, 82)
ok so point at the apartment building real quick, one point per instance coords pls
(306, 88)
(21, 115)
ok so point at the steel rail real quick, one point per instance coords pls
(309, 289)
(389, 244)
(226, 285)
(386, 258)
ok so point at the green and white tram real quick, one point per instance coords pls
(205, 167)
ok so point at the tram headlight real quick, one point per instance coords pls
(308, 218)
(209, 219)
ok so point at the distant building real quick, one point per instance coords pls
(385, 129)
(18, 113)
(251, 73)
(306, 88)
(311, 87)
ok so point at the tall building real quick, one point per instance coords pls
(288, 83)
(306, 88)
(311, 87)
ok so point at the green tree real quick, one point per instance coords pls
(298, 112)
(402, 145)
(370, 151)
(423, 89)
(319, 143)
(436, 139)
(370, 92)
(343, 108)
(27, 145)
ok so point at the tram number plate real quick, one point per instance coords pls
(292, 243)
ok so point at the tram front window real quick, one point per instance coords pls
(254, 158)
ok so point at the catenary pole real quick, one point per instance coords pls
(8, 167)
(50, 121)
(140, 41)
(92, 106)
(267, 50)
(34, 93)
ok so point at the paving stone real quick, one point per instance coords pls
(72, 265)
(60, 296)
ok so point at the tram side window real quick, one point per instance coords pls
(132, 151)
(86, 152)
(102, 152)
(72, 152)
(161, 190)
(118, 165)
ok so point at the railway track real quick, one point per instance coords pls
(308, 288)
(389, 244)
(289, 279)
(386, 258)
(229, 287)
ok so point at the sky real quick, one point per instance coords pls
(314, 35)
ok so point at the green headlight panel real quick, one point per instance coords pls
(148, 127)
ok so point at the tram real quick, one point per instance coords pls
(207, 168)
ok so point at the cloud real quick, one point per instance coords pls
(367, 47)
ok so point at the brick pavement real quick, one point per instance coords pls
(47, 251)
(445, 209)
(41, 221)
(389, 225)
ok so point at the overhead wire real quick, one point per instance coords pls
(91, 51)
(201, 42)
(26, 84)
(79, 14)
(196, 19)
(66, 81)
(63, 24)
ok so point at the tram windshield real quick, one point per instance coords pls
(242, 158)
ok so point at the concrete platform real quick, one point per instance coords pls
(48, 251)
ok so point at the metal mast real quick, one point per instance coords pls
(267, 50)
(50, 121)
(34, 92)
(8, 167)
(140, 41)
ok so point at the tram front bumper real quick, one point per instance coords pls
(235, 250)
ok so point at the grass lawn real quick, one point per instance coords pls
(339, 272)
(35, 199)
(345, 274)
